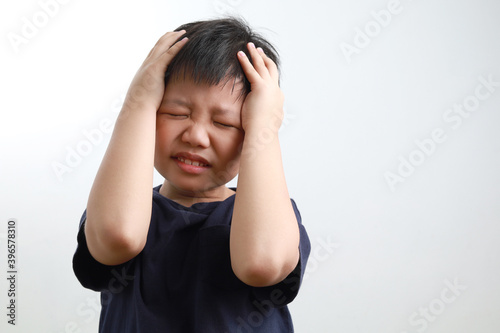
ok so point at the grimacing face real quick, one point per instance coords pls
(199, 135)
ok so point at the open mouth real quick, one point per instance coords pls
(191, 162)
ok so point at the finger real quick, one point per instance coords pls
(167, 56)
(248, 68)
(169, 39)
(270, 64)
(165, 42)
(257, 60)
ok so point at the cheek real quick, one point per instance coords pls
(160, 138)
(165, 132)
(233, 145)
(231, 151)
(163, 144)
(228, 170)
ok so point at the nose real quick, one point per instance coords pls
(196, 135)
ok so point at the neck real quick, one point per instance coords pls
(189, 198)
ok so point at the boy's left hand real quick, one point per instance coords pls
(263, 106)
(264, 239)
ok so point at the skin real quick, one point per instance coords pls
(264, 236)
(204, 122)
(156, 124)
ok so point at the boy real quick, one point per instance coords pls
(199, 257)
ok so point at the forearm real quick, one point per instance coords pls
(120, 202)
(119, 205)
(264, 232)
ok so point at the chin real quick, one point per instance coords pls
(194, 187)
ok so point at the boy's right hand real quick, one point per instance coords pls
(148, 86)
(119, 205)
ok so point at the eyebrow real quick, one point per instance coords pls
(177, 102)
(219, 110)
(223, 111)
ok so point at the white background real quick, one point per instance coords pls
(385, 257)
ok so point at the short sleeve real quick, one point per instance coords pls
(91, 273)
(285, 292)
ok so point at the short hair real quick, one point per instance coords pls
(210, 55)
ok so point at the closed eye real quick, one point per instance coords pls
(223, 125)
(177, 116)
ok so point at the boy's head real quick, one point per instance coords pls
(210, 55)
(199, 134)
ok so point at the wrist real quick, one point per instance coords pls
(269, 124)
(258, 139)
(135, 106)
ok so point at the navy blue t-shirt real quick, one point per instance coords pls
(182, 280)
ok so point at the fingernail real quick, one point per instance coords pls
(241, 54)
(252, 45)
(260, 50)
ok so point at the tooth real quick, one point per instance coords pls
(196, 163)
(188, 161)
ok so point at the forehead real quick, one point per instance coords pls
(184, 91)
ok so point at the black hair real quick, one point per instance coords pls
(210, 55)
